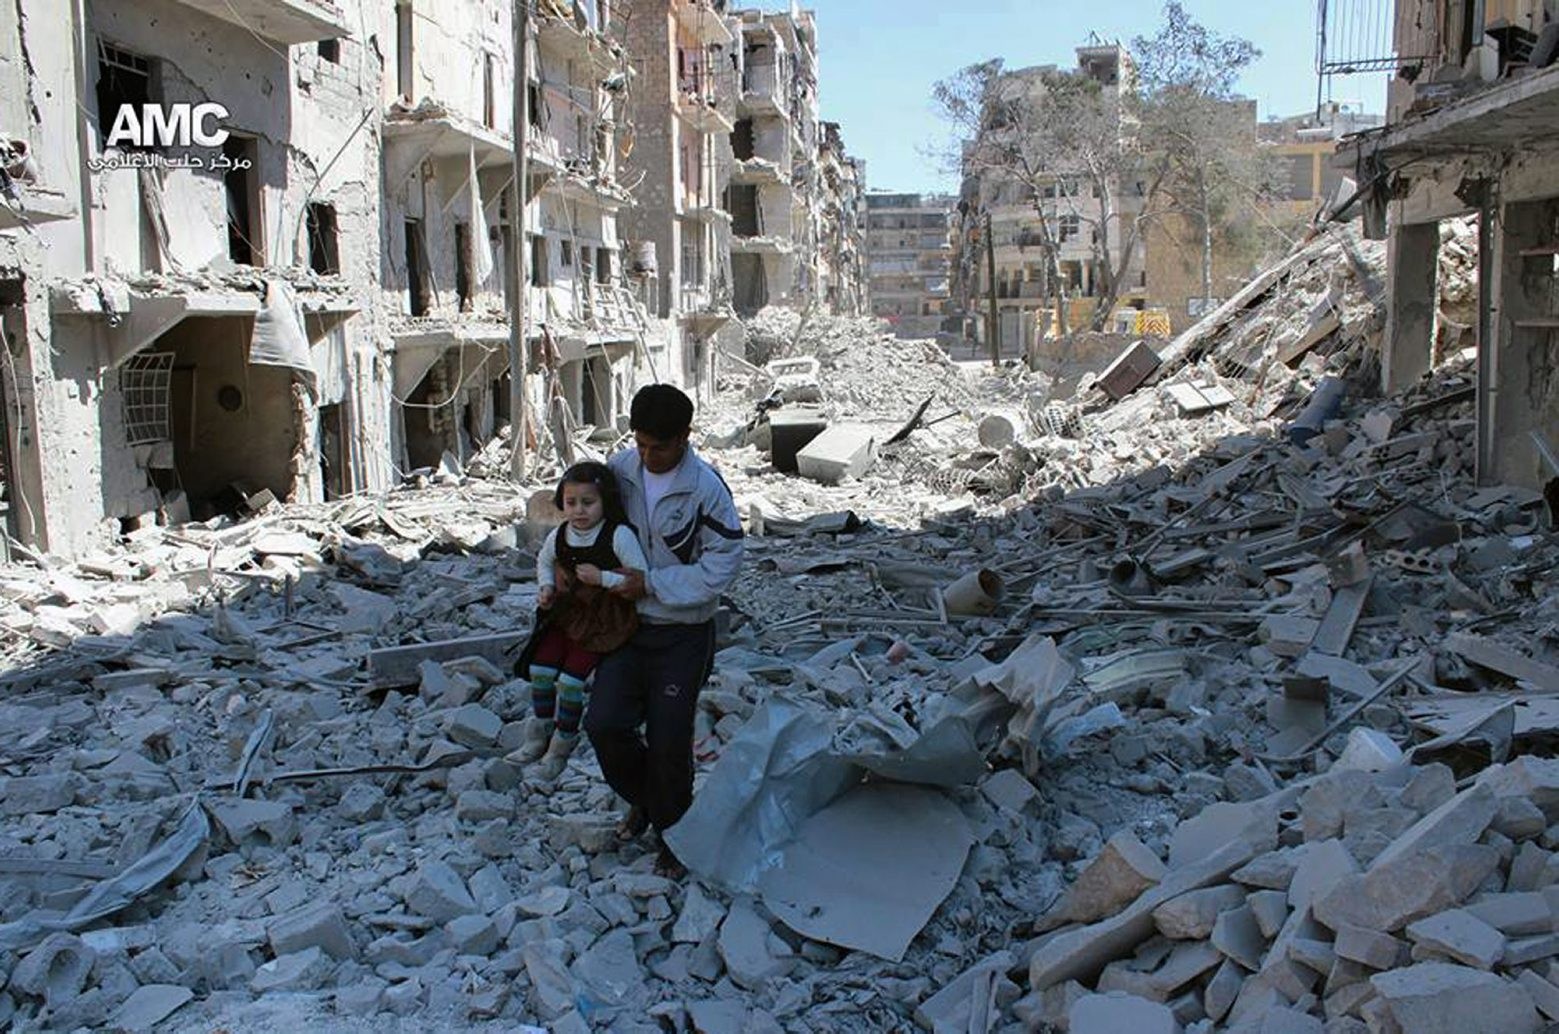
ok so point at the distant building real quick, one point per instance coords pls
(910, 257)
(1023, 294)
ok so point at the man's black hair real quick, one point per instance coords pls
(599, 475)
(661, 411)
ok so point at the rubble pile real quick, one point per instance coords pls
(1213, 731)
(1376, 896)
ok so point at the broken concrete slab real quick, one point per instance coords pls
(395, 666)
(1192, 916)
(844, 450)
(439, 893)
(1237, 935)
(747, 947)
(1388, 897)
(1117, 1013)
(1368, 947)
(1440, 998)
(1460, 820)
(1184, 964)
(320, 925)
(1121, 872)
(1078, 954)
(148, 1005)
(1459, 936)
(1252, 823)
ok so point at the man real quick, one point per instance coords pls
(688, 526)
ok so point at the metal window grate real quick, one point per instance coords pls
(113, 57)
(1357, 36)
(144, 383)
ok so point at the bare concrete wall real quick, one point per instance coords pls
(215, 445)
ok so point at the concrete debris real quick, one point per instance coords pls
(1243, 734)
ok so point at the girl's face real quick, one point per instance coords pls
(582, 507)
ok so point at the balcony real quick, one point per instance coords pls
(433, 130)
(756, 171)
(703, 22)
(1514, 113)
(697, 103)
(762, 245)
(287, 22)
(762, 93)
(558, 33)
(37, 206)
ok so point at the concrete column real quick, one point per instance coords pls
(1522, 393)
(1412, 257)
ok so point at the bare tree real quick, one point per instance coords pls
(1064, 143)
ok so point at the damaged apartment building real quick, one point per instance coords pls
(1469, 130)
(989, 197)
(908, 237)
(186, 334)
(681, 113)
(449, 263)
(315, 303)
(256, 249)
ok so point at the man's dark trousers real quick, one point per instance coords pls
(653, 681)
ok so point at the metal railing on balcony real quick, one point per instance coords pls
(1355, 36)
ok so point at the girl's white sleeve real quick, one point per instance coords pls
(547, 558)
(626, 545)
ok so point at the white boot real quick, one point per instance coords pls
(537, 732)
(556, 758)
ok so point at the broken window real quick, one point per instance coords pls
(1069, 227)
(144, 386)
(567, 254)
(540, 273)
(743, 206)
(324, 253)
(416, 268)
(489, 92)
(534, 104)
(241, 184)
(122, 78)
(330, 50)
(692, 258)
(464, 262)
(743, 140)
(404, 68)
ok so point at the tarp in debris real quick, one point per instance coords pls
(767, 810)
(868, 871)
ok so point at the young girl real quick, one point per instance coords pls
(577, 566)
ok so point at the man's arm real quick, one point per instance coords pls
(719, 560)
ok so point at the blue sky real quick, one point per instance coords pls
(879, 59)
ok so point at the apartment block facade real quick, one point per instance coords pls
(910, 247)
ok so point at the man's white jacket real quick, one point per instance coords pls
(693, 539)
